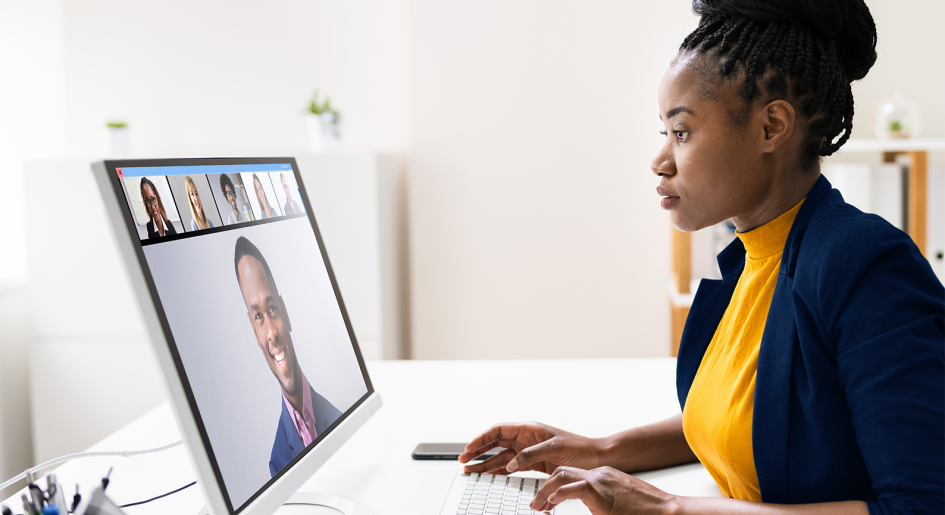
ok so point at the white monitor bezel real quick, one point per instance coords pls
(270, 497)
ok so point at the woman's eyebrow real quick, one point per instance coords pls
(676, 110)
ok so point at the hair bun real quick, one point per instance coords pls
(847, 22)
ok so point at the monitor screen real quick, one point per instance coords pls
(250, 310)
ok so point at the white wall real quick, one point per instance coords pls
(536, 230)
(232, 77)
(32, 120)
(31, 124)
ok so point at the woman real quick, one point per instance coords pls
(812, 376)
(266, 211)
(158, 226)
(198, 219)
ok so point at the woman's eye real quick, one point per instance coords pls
(681, 136)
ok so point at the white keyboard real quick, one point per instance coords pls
(488, 494)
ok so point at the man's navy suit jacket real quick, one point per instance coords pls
(850, 388)
(288, 443)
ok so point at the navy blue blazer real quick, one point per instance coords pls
(288, 444)
(850, 388)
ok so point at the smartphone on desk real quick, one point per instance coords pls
(446, 451)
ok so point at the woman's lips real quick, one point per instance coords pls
(669, 200)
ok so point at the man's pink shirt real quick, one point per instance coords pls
(305, 421)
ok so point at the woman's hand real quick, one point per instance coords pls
(603, 490)
(531, 446)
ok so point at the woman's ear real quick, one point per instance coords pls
(777, 120)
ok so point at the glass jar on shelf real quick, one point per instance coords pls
(896, 116)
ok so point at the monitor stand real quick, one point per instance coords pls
(311, 503)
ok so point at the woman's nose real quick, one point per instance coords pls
(663, 163)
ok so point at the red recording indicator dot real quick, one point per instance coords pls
(120, 173)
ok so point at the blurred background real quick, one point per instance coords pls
(506, 211)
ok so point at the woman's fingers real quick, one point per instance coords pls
(604, 490)
(495, 463)
(508, 436)
(563, 476)
(532, 456)
(581, 490)
(493, 437)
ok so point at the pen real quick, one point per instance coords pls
(57, 497)
(27, 505)
(38, 498)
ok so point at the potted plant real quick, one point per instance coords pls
(117, 138)
(321, 121)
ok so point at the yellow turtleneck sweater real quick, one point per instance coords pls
(717, 419)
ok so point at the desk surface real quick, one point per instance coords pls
(424, 401)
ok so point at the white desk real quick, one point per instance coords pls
(424, 401)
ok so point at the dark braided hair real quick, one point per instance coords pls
(804, 51)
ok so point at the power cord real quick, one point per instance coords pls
(159, 497)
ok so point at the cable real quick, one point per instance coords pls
(158, 497)
(92, 454)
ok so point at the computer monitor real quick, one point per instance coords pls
(262, 365)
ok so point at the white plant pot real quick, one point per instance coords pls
(323, 133)
(117, 142)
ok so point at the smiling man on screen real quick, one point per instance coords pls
(305, 413)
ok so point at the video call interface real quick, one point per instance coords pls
(251, 309)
